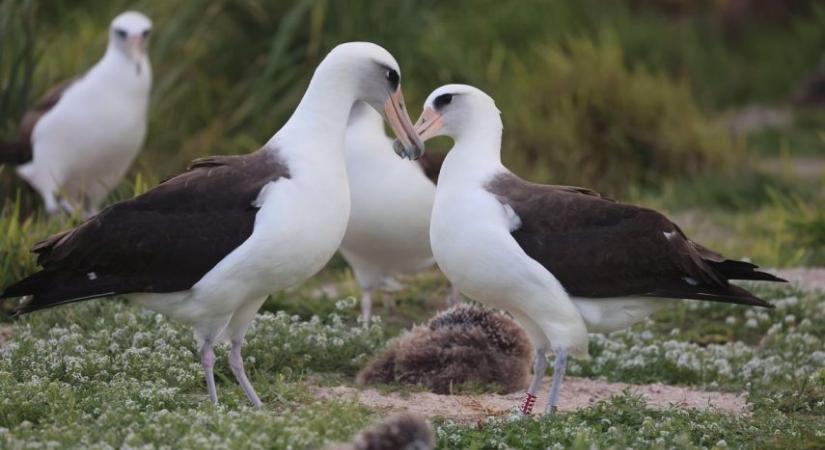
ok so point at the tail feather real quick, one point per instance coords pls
(740, 270)
(723, 294)
(15, 153)
(47, 289)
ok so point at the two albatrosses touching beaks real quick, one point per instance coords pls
(77, 143)
(563, 261)
(389, 226)
(207, 246)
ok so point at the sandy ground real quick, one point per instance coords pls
(808, 278)
(576, 393)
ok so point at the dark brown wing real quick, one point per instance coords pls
(164, 240)
(20, 152)
(599, 248)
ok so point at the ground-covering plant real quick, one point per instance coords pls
(105, 374)
(626, 422)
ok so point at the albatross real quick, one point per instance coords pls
(76, 144)
(389, 227)
(563, 261)
(206, 247)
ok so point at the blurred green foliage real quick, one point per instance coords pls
(580, 114)
(629, 97)
(229, 72)
(16, 56)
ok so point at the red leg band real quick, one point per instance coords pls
(527, 404)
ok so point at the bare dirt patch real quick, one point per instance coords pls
(576, 393)
(809, 278)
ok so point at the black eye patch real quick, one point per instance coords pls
(442, 101)
(146, 34)
(393, 78)
(120, 33)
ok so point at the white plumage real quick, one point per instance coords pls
(302, 218)
(84, 145)
(564, 261)
(389, 225)
(207, 247)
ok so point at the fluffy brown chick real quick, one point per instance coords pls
(466, 344)
(402, 431)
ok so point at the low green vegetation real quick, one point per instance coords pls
(105, 374)
(626, 422)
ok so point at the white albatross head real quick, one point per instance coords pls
(457, 110)
(376, 76)
(129, 35)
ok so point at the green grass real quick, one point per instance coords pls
(626, 422)
(104, 373)
(227, 74)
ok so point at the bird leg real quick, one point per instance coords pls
(208, 363)
(51, 204)
(539, 366)
(558, 374)
(366, 305)
(236, 364)
(67, 206)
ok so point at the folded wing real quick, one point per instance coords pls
(164, 240)
(599, 248)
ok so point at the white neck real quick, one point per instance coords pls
(118, 71)
(365, 135)
(476, 155)
(319, 122)
(364, 120)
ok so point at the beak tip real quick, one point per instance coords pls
(399, 149)
(402, 151)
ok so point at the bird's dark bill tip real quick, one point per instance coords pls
(400, 150)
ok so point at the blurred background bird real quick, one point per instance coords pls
(75, 145)
(389, 225)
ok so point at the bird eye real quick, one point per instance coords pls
(442, 100)
(146, 34)
(120, 33)
(393, 78)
